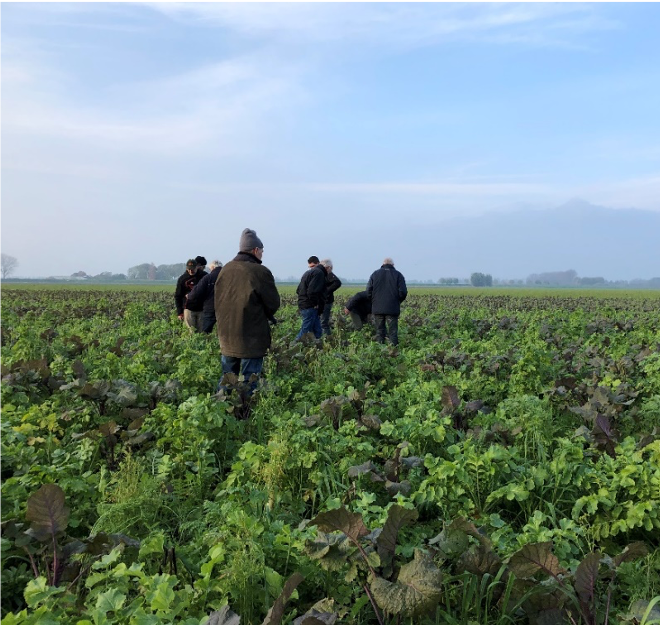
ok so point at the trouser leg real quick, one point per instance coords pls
(325, 318)
(357, 320)
(380, 328)
(393, 329)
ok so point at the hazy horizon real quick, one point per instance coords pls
(135, 132)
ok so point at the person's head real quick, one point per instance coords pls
(327, 263)
(191, 266)
(388, 261)
(250, 243)
(312, 261)
(214, 264)
(201, 262)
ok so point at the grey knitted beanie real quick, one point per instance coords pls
(249, 240)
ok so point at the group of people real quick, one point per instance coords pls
(243, 297)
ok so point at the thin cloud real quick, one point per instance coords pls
(397, 24)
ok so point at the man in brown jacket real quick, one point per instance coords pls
(245, 299)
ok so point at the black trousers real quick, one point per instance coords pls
(392, 322)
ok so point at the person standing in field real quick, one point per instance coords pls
(245, 299)
(311, 298)
(203, 293)
(332, 283)
(201, 264)
(185, 284)
(387, 289)
(359, 309)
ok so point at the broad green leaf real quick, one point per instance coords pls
(331, 550)
(416, 591)
(649, 610)
(274, 616)
(110, 600)
(342, 520)
(46, 511)
(38, 590)
(535, 557)
(142, 618)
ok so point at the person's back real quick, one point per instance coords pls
(311, 298)
(387, 288)
(245, 297)
(203, 294)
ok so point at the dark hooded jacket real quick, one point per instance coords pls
(360, 304)
(332, 283)
(387, 288)
(245, 297)
(311, 290)
(184, 285)
(202, 293)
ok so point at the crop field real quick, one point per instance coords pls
(501, 466)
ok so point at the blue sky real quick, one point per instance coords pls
(154, 132)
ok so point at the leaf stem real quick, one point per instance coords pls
(373, 604)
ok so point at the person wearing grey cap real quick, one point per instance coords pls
(246, 299)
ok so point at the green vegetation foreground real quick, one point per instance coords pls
(501, 466)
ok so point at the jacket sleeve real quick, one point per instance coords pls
(200, 291)
(333, 284)
(316, 288)
(179, 297)
(270, 296)
(403, 289)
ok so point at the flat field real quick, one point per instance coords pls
(502, 465)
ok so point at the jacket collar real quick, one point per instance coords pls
(247, 258)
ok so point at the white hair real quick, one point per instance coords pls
(327, 263)
(388, 261)
(214, 264)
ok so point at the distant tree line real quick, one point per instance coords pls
(149, 271)
(481, 279)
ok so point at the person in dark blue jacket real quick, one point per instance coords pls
(203, 293)
(387, 289)
(311, 298)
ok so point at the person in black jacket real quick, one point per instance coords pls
(203, 293)
(311, 298)
(332, 283)
(387, 288)
(184, 285)
(359, 309)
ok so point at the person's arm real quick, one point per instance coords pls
(198, 292)
(333, 284)
(179, 298)
(316, 289)
(270, 296)
(403, 289)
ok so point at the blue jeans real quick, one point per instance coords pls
(241, 366)
(392, 328)
(311, 323)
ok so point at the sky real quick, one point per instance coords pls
(154, 132)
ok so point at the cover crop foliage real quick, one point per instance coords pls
(501, 466)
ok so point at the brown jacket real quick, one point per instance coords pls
(245, 297)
